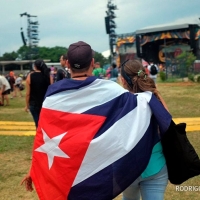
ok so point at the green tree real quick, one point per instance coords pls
(98, 57)
(185, 62)
(9, 56)
(23, 52)
(53, 54)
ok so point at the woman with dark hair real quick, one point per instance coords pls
(37, 83)
(151, 184)
(135, 79)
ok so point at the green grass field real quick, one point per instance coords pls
(15, 151)
(182, 99)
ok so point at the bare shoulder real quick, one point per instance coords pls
(28, 78)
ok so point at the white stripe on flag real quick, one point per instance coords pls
(117, 141)
(83, 99)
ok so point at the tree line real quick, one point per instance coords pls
(47, 53)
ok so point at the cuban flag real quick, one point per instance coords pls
(94, 139)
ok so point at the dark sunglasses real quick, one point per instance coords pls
(124, 75)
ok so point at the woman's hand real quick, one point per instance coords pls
(28, 183)
(26, 109)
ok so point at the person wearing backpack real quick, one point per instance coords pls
(153, 71)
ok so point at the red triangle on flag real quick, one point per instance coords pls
(55, 181)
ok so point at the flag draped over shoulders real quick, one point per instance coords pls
(94, 139)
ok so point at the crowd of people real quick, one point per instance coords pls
(10, 84)
(113, 72)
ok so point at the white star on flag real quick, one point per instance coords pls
(51, 148)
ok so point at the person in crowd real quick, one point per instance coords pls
(108, 71)
(11, 79)
(4, 90)
(151, 184)
(60, 72)
(64, 66)
(54, 74)
(92, 129)
(37, 83)
(18, 83)
(98, 71)
(153, 71)
(146, 70)
(114, 72)
(64, 72)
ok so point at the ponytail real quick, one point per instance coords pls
(40, 65)
(138, 81)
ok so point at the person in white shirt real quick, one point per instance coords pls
(153, 70)
(18, 82)
(4, 90)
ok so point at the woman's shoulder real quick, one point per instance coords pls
(34, 74)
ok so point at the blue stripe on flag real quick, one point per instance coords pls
(68, 84)
(112, 180)
(125, 103)
(162, 116)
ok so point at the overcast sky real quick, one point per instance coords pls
(63, 22)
